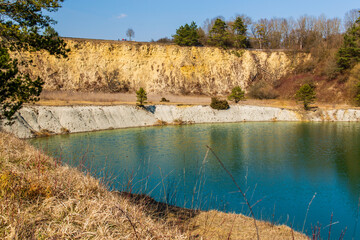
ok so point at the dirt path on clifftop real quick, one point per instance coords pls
(69, 98)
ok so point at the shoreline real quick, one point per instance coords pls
(56, 201)
(36, 121)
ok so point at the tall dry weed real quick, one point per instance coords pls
(43, 200)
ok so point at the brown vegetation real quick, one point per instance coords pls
(286, 90)
(56, 98)
(42, 199)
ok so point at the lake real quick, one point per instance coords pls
(280, 166)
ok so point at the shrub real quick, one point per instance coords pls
(306, 94)
(357, 94)
(237, 94)
(164, 40)
(261, 90)
(164, 100)
(219, 104)
(330, 69)
(141, 96)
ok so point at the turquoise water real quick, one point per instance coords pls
(280, 166)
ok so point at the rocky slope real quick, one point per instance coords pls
(40, 120)
(113, 66)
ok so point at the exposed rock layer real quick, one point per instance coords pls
(112, 66)
(36, 120)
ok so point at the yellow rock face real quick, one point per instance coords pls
(95, 65)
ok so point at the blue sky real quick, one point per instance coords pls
(154, 19)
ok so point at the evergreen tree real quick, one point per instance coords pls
(349, 53)
(306, 94)
(237, 94)
(141, 96)
(24, 27)
(239, 28)
(187, 35)
(357, 94)
(219, 35)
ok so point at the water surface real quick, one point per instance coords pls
(279, 165)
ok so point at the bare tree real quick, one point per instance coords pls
(307, 33)
(350, 18)
(130, 33)
(260, 32)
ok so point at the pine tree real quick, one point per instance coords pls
(24, 27)
(219, 35)
(357, 94)
(187, 35)
(306, 94)
(349, 53)
(141, 96)
(237, 94)
(239, 28)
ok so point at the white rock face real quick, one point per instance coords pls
(205, 114)
(35, 119)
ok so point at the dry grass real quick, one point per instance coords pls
(42, 199)
(217, 225)
(69, 98)
(64, 98)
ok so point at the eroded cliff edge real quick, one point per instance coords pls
(114, 66)
(55, 120)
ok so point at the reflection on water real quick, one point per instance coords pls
(281, 164)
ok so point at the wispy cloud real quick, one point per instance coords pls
(121, 16)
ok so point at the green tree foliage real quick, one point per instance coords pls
(306, 94)
(349, 53)
(219, 36)
(237, 94)
(357, 94)
(141, 96)
(187, 35)
(15, 88)
(219, 104)
(239, 29)
(24, 27)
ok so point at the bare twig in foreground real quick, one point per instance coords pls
(242, 193)
(307, 211)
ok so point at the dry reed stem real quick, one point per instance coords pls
(240, 190)
(307, 211)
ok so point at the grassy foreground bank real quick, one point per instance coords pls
(43, 199)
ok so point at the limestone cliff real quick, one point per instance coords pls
(95, 65)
